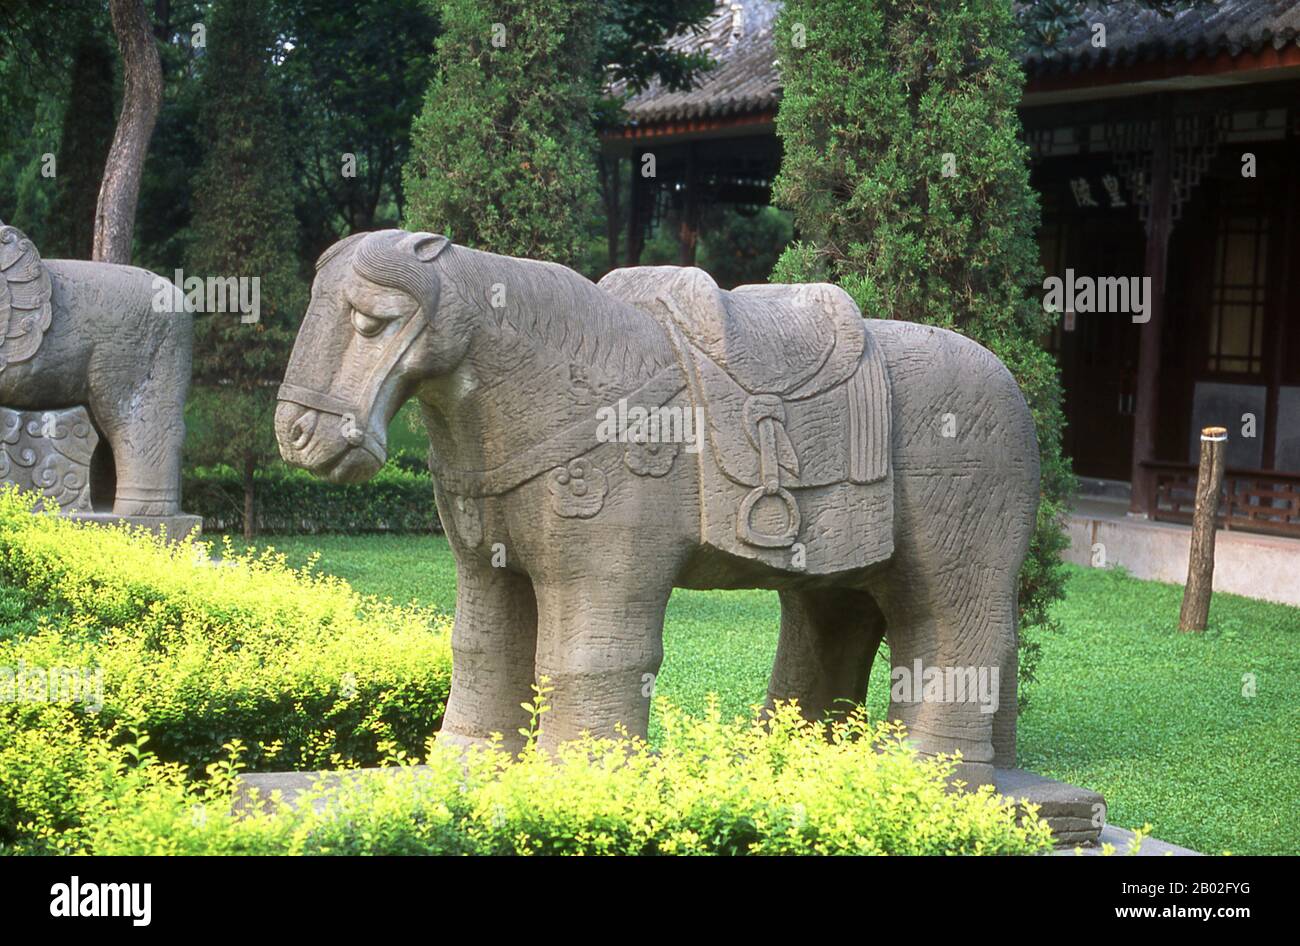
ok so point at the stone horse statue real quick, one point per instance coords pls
(78, 336)
(595, 446)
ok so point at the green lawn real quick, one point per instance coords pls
(1157, 721)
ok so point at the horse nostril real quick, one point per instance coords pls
(302, 429)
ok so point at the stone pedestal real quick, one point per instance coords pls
(176, 527)
(1075, 815)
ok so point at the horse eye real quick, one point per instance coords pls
(367, 325)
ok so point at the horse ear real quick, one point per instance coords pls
(427, 246)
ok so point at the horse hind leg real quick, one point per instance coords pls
(952, 645)
(147, 435)
(828, 643)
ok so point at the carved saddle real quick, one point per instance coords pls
(795, 397)
(25, 308)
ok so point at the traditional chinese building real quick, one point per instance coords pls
(1172, 153)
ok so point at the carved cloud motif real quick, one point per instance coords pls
(49, 452)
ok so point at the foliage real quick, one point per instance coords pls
(357, 72)
(909, 185)
(243, 226)
(163, 226)
(501, 154)
(737, 248)
(632, 51)
(710, 788)
(290, 500)
(192, 652)
(83, 150)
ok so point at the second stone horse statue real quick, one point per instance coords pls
(76, 334)
(881, 476)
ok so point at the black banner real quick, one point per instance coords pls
(273, 895)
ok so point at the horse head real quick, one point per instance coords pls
(371, 334)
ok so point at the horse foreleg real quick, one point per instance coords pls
(599, 645)
(492, 645)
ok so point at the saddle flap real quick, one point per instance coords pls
(839, 436)
(795, 395)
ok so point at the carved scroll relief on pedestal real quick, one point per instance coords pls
(49, 452)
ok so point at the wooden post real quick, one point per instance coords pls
(1200, 559)
(1159, 227)
(688, 233)
(636, 198)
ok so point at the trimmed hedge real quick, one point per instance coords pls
(108, 634)
(290, 500)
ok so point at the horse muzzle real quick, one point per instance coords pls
(331, 445)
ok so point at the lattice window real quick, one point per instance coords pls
(1236, 325)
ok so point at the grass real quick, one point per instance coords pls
(1161, 723)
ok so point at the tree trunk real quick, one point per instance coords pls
(250, 511)
(1195, 613)
(141, 102)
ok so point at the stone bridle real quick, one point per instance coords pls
(377, 259)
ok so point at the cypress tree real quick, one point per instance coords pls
(502, 152)
(243, 227)
(908, 181)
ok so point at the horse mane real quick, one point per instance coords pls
(559, 309)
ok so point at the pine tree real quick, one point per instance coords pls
(502, 152)
(243, 227)
(909, 184)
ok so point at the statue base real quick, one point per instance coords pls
(1075, 815)
(176, 527)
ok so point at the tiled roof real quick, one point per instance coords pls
(739, 38)
(1135, 35)
(745, 80)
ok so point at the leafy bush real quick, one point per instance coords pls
(147, 638)
(709, 788)
(289, 500)
(500, 154)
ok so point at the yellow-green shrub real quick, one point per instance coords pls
(711, 787)
(206, 663)
(195, 653)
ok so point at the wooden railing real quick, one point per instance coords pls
(1251, 500)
